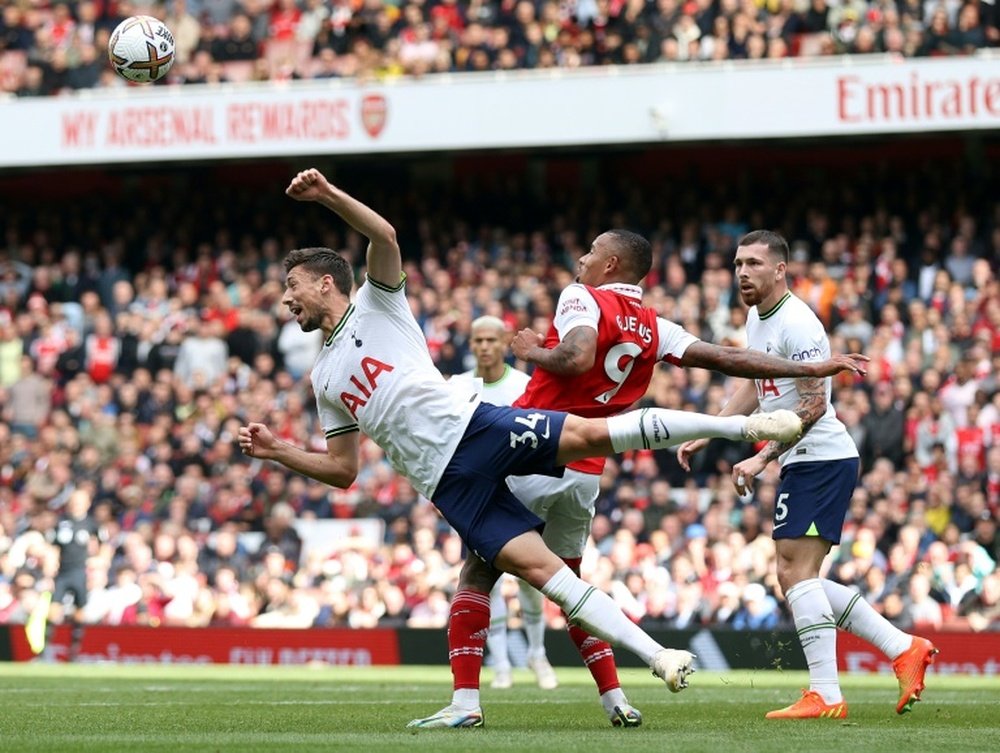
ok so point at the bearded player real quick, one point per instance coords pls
(818, 476)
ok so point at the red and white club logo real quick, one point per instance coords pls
(374, 112)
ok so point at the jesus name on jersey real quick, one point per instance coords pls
(632, 324)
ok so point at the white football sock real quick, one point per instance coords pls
(655, 428)
(612, 698)
(817, 631)
(466, 699)
(598, 614)
(855, 615)
(496, 641)
(534, 625)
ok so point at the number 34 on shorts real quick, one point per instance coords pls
(537, 425)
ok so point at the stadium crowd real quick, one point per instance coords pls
(51, 46)
(132, 346)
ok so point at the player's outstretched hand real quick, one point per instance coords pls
(853, 362)
(689, 448)
(744, 473)
(524, 341)
(257, 441)
(308, 185)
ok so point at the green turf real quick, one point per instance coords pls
(217, 708)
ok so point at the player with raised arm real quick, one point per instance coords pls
(596, 360)
(374, 375)
(818, 476)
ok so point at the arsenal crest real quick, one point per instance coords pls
(374, 110)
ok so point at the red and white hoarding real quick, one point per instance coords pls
(637, 104)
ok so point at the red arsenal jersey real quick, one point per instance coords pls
(631, 338)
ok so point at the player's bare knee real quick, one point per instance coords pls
(582, 436)
(593, 433)
(597, 434)
(476, 575)
(533, 575)
(785, 571)
(527, 569)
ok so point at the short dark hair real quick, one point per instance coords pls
(775, 243)
(634, 252)
(323, 261)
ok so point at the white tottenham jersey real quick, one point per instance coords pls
(374, 374)
(505, 390)
(576, 307)
(791, 330)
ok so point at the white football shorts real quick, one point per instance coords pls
(565, 504)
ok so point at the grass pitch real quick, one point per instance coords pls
(221, 708)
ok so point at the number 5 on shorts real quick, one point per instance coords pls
(780, 508)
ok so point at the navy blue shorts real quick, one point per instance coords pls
(813, 499)
(472, 494)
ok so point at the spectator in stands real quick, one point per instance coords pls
(201, 358)
(959, 393)
(985, 533)
(223, 552)
(921, 608)
(280, 535)
(238, 44)
(11, 351)
(14, 34)
(884, 429)
(29, 400)
(759, 610)
(298, 349)
(85, 72)
(968, 34)
(981, 609)
(185, 28)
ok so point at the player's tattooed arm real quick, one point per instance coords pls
(743, 362)
(810, 408)
(574, 355)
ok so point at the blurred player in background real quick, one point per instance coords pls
(77, 537)
(375, 375)
(597, 360)
(818, 476)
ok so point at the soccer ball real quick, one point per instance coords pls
(141, 49)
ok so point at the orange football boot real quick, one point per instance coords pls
(910, 667)
(810, 706)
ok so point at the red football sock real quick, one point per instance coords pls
(468, 626)
(597, 655)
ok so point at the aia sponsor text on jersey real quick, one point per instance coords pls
(766, 387)
(365, 383)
